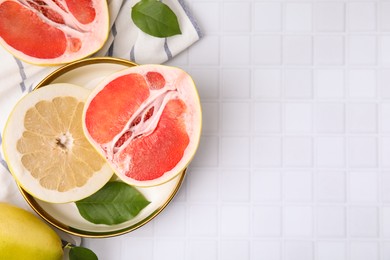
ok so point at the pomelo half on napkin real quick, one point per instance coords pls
(52, 31)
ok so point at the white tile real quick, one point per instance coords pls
(297, 151)
(235, 151)
(210, 15)
(201, 249)
(203, 185)
(234, 221)
(206, 81)
(236, 83)
(234, 249)
(298, 221)
(383, 17)
(385, 250)
(267, 49)
(384, 82)
(329, 83)
(385, 215)
(205, 52)
(100, 246)
(330, 151)
(362, 83)
(330, 186)
(361, 16)
(298, 17)
(329, 117)
(330, 221)
(363, 221)
(234, 49)
(146, 231)
(298, 250)
(385, 151)
(266, 186)
(267, 17)
(362, 117)
(385, 182)
(329, 16)
(138, 248)
(210, 117)
(267, 221)
(202, 220)
(267, 83)
(181, 59)
(267, 117)
(384, 114)
(171, 222)
(234, 186)
(298, 117)
(384, 48)
(363, 186)
(362, 152)
(267, 151)
(298, 83)
(169, 249)
(329, 50)
(360, 250)
(241, 12)
(207, 154)
(235, 117)
(297, 186)
(270, 250)
(362, 50)
(331, 250)
(297, 50)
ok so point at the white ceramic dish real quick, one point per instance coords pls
(88, 73)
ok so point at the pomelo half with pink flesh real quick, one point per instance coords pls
(53, 31)
(146, 121)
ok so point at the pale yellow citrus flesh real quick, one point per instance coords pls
(46, 149)
(53, 146)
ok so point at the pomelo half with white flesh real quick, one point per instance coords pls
(48, 32)
(46, 149)
(146, 121)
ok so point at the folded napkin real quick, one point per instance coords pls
(125, 41)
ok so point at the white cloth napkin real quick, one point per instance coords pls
(125, 41)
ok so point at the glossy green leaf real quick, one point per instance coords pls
(155, 18)
(115, 203)
(81, 253)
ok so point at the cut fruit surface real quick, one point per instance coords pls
(146, 121)
(53, 31)
(46, 149)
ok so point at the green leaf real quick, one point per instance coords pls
(155, 18)
(81, 253)
(115, 203)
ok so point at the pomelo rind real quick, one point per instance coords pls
(15, 129)
(195, 138)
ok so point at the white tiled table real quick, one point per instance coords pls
(294, 161)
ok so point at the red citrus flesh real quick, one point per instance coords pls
(53, 31)
(146, 121)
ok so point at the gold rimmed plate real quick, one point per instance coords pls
(88, 73)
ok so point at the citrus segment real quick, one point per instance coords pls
(53, 31)
(146, 121)
(49, 155)
(26, 24)
(117, 99)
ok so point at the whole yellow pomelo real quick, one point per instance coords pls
(24, 236)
